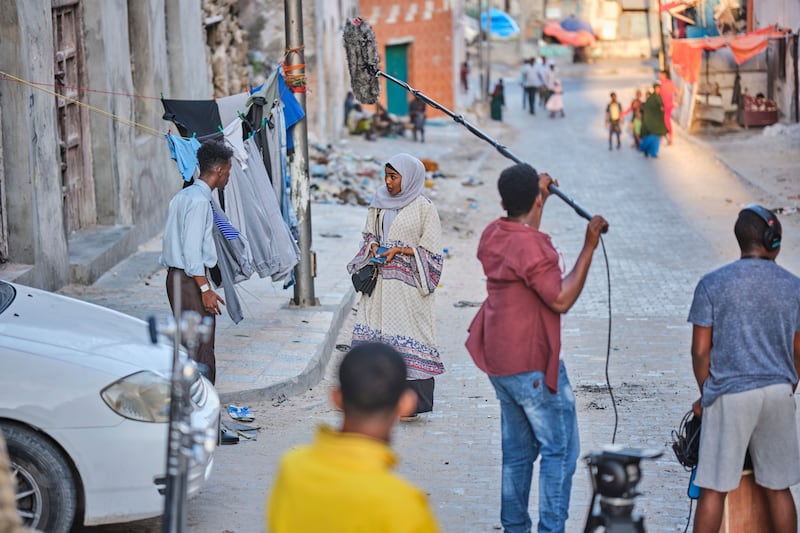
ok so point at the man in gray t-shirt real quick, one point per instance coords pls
(745, 356)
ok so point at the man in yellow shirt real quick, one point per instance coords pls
(342, 482)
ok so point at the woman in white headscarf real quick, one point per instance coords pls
(399, 312)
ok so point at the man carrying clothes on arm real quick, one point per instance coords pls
(188, 247)
(745, 356)
(516, 339)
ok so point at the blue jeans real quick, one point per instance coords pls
(537, 422)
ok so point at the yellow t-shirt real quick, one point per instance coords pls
(342, 483)
(614, 110)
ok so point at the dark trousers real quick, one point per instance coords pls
(192, 300)
(424, 389)
(531, 91)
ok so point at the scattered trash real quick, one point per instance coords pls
(782, 130)
(244, 431)
(465, 303)
(343, 347)
(446, 253)
(471, 182)
(341, 176)
(430, 165)
(227, 436)
(785, 210)
(241, 413)
(473, 205)
(279, 400)
(330, 235)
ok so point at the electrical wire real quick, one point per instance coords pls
(608, 345)
(689, 518)
(112, 116)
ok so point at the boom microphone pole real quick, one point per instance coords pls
(362, 60)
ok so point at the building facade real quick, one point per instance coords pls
(85, 175)
(418, 43)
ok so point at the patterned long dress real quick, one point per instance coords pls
(399, 312)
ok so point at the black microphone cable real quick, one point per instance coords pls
(608, 345)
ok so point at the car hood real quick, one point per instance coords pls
(66, 328)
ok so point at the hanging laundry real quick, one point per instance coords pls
(275, 88)
(254, 210)
(232, 261)
(283, 243)
(193, 117)
(184, 152)
(276, 146)
(234, 138)
(232, 106)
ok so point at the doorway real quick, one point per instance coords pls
(397, 66)
(77, 183)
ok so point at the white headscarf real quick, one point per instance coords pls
(412, 171)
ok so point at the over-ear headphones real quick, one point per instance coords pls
(772, 235)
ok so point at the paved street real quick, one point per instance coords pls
(670, 220)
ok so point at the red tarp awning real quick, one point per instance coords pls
(571, 38)
(687, 54)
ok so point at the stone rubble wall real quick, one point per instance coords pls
(227, 43)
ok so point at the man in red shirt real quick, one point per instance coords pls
(516, 339)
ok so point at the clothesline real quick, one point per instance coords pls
(5, 76)
(108, 114)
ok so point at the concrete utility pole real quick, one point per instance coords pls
(298, 166)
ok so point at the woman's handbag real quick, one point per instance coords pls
(365, 279)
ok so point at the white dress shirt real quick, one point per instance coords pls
(188, 243)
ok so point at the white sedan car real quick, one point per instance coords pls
(84, 408)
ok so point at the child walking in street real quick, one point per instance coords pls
(636, 118)
(613, 115)
(555, 104)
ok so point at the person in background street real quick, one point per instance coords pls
(404, 233)
(382, 123)
(653, 127)
(523, 75)
(613, 117)
(342, 482)
(635, 110)
(671, 97)
(541, 72)
(188, 249)
(498, 101)
(464, 76)
(516, 339)
(416, 114)
(530, 79)
(358, 122)
(349, 103)
(746, 359)
(550, 81)
(555, 102)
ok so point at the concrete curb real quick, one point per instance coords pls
(311, 374)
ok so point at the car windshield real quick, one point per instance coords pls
(7, 295)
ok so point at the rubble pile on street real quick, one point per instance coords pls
(339, 175)
(790, 131)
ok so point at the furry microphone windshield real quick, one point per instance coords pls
(362, 60)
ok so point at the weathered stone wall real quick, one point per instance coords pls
(31, 163)
(226, 40)
(135, 49)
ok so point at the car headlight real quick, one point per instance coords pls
(143, 396)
